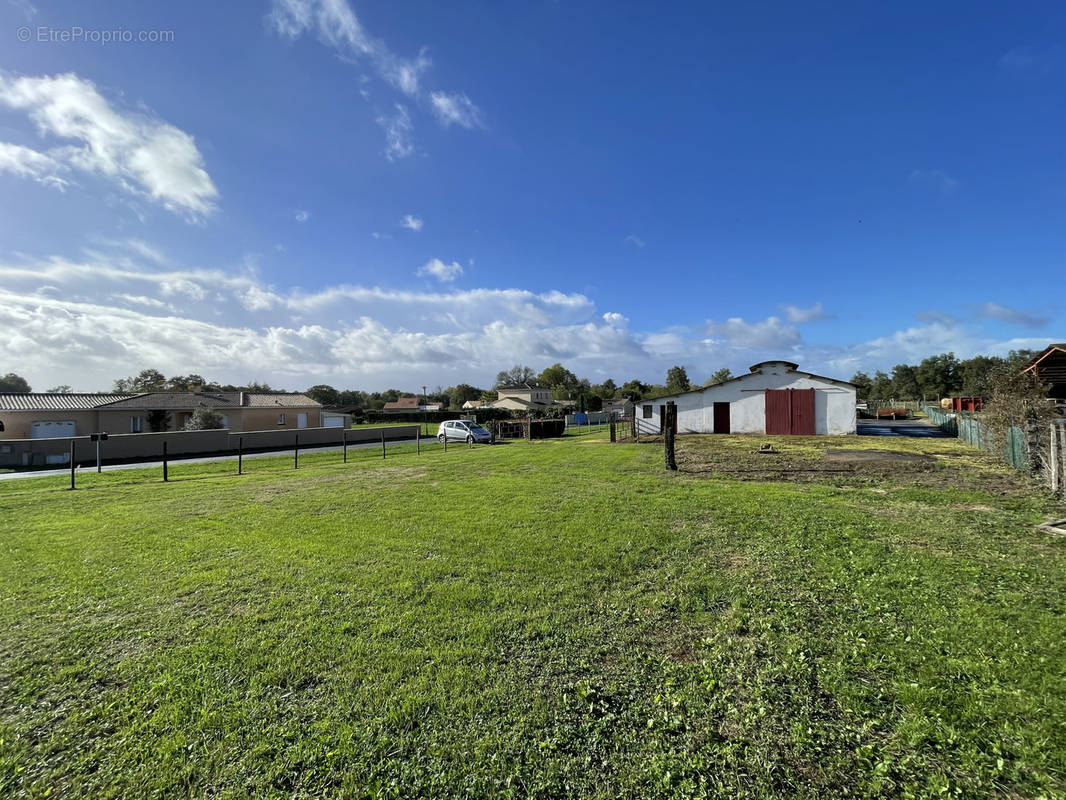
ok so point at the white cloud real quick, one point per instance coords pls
(303, 216)
(636, 241)
(769, 334)
(411, 222)
(1013, 316)
(935, 178)
(615, 319)
(334, 24)
(441, 271)
(143, 155)
(799, 315)
(398, 130)
(25, 162)
(455, 108)
(938, 317)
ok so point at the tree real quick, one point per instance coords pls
(677, 380)
(975, 375)
(516, 375)
(147, 380)
(938, 375)
(904, 384)
(721, 376)
(880, 386)
(188, 383)
(14, 384)
(633, 390)
(605, 390)
(63, 388)
(560, 380)
(204, 419)
(460, 393)
(159, 420)
(862, 384)
(1018, 414)
(325, 394)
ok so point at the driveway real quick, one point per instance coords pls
(919, 428)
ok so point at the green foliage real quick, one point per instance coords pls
(719, 376)
(677, 380)
(147, 380)
(14, 384)
(515, 376)
(63, 388)
(204, 419)
(325, 394)
(159, 420)
(863, 385)
(461, 393)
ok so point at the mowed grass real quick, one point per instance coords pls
(549, 619)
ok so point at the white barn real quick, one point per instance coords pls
(775, 398)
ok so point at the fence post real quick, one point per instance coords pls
(72, 467)
(296, 452)
(614, 436)
(383, 443)
(240, 455)
(418, 442)
(165, 473)
(344, 444)
(667, 422)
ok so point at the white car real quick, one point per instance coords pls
(463, 430)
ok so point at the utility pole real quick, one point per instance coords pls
(425, 412)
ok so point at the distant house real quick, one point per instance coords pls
(407, 405)
(1050, 367)
(44, 416)
(524, 397)
(620, 408)
(774, 398)
(472, 404)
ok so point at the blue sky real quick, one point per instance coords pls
(397, 194)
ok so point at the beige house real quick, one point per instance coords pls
(45, 416)
(523, 397)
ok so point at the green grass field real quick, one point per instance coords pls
(551, 619)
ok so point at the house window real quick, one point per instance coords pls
(281, 419)
(647, 412)
(136, 424)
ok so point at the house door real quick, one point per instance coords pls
(721, 418)
(301, 420)
(790, 412)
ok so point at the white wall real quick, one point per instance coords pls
(834, 403)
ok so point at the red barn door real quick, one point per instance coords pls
(790, 412)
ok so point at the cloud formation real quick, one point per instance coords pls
(141, 154)
(1013, 316)
(411, 222)
(334, 24)
(442, 272)
(799, 315)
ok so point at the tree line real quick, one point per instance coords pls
(938, 376)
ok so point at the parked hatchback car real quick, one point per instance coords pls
(463, 430)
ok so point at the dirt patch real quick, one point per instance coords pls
(862, 456)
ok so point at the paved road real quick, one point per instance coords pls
(44, 473)
(900, 427)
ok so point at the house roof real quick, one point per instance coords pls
(40, 401)
(1047, 351)
(756, 369)
(44, 401)
(403, 404)
(521, 387)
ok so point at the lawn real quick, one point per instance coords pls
(550, 619)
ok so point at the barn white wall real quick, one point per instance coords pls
(834, 403)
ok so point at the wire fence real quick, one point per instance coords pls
(1029, 448)
(239, 462)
